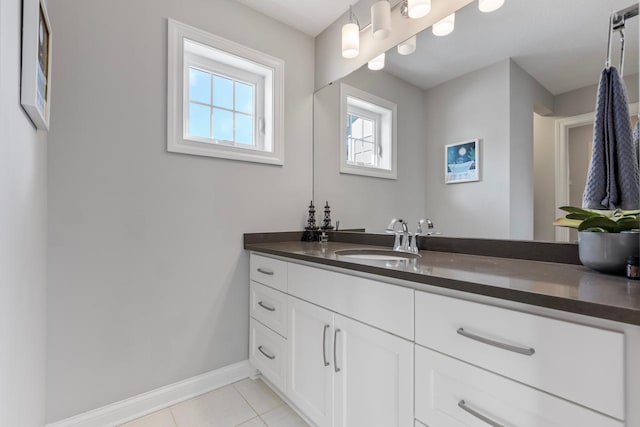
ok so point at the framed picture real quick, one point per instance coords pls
(36, 62)
(462, 162)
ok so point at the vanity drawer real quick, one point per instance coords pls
(378, 304)
(580, 363)
(268, 271)
(451, 393)
(269, 307)
(268, 353)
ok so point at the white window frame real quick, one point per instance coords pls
(385, 114)
(189, 46)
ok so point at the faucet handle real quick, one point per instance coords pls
(421, 223)
(391, 226)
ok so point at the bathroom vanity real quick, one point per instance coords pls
(448, 339)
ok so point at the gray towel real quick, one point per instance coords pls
(613, 179)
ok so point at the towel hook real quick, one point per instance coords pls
(616, 23)
(607, 64)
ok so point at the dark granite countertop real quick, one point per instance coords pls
(567, 287)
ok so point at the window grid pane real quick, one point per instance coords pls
(362, 147)
(221, 108)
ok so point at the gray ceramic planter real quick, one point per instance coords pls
(608, 252)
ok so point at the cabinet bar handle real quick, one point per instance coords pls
(266, 307)
(463, 405)
(265, 271)
(267, 355)
(335, 346)
(515, 349)
(324, 345)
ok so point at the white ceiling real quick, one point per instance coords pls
(308, 16)
(562, 44)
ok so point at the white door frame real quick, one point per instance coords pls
(563, 126)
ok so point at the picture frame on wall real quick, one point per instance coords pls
(36, 62)
(462, 162)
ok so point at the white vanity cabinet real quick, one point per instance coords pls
(344, 373)
(310, 346)
(352, 351)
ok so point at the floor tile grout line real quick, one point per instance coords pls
(246, 400)
(175, 422)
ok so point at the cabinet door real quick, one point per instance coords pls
(374, 383)
(310, 374)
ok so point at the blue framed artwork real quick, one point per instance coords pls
(462, 162)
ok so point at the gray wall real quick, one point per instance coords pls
(475, 105)
(526, 95)
(148, 279)
(360, 201)
(23, 170)
(496, 105)
(544, 187)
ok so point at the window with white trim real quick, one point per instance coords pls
(367, 134)
(224, 99)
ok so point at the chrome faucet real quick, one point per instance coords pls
(405, 241)
(401, 242)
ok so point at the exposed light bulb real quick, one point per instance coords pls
(489, 5)
(376, 63)
(444, 26)
(418, 8)
(381, 19)
(350, 40)
(408, 46)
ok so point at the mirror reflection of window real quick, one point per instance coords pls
(363, 145)
(368, 134)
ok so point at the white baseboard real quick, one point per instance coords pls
(155, 400)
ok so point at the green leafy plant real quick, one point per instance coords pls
(599, 221)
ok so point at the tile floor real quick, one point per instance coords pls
(247, 403)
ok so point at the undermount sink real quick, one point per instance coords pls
(376, 254)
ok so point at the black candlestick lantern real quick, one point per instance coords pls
(326, 222)
(311, 230)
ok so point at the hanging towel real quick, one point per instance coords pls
(613, 179)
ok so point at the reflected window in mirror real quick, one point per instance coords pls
(368, 134)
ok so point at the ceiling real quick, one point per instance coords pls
(308, 16)
(562, 44)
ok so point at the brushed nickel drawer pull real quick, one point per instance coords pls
(265, 271)
(463, 405)
(335, 346)
(267, 355)
(266, 307)
(521, 350)
(324, 345)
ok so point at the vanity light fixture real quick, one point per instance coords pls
(376, 63)
(489, 5)
(381, 19)
(444, 26)
(351, 37)
(408, 46)
(418, 8)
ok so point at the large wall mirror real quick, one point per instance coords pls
(507, 92)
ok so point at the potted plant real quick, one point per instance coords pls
(605, 238)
